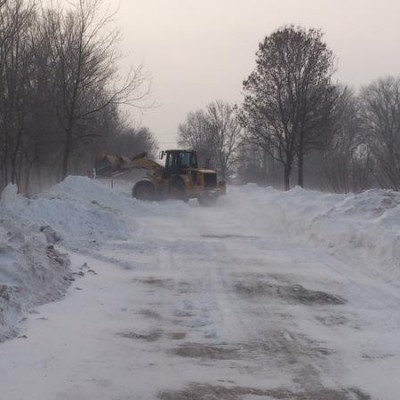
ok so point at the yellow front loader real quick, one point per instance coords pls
(180, 178)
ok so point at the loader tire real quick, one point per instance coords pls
(177, 190)
(207, 201)
(144, 190)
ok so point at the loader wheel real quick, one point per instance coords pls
(207, 201)
(177, 190)
(145, 191)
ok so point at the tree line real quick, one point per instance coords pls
(297, 126)
(61, 92)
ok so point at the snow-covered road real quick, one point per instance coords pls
(210, 303)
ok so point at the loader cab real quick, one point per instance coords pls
(179, 161)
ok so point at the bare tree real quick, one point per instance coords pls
(224, 129)
(60, 89)
(214, 134)
(289, 98)
(194, 134)
(16, 18)
(84, 66)
(345, 166)
(381, 121)
(127, 140)
(256, 165)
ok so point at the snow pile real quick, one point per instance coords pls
(368, 221)
(32, 270)
(82, 211)
(76, 213)
(365, 226)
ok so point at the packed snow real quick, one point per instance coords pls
(267, 295)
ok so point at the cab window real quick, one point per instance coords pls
(170, 161)
(185, 160)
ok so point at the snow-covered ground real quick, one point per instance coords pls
(267, 295)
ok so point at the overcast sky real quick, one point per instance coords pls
(199, 51)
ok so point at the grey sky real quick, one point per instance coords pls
(201, 50)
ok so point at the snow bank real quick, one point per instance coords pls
(32, 270)
(364, 226)
(76, 213)
(82, 211)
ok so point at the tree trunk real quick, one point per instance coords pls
(67, 149)
(287, 172)
(300, 172)
(14, 162)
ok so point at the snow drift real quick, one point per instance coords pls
(80, 213)
(35, 234)
(32, 270)
(365, 226)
